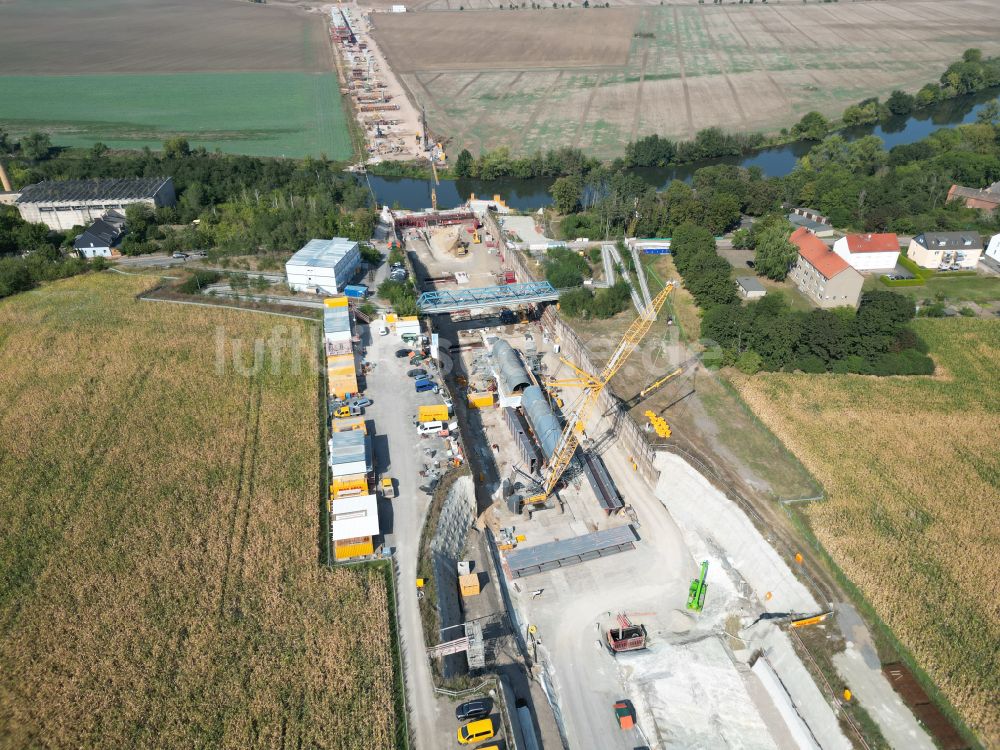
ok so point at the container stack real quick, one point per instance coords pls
(341, 366)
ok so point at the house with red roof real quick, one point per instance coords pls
(869, 252)
(822, 275)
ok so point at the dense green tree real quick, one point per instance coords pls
(900, 103)
(990, 113)
(567, 192)
(463, 164)
(36, 146)
(175, 148)
(812, 127)
(565, 268)
(863, 113)
(14, 277)
(138, 220)
(774, 254)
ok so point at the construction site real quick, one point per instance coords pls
(649, 608)
(391, 125)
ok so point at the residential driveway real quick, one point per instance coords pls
(399, 453)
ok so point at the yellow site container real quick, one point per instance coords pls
(409, 318)
(480, 400)
(341, 386)
(348, 548)
(335, 302)
(340, 372)
(435, 413)
(469, 584)
(346, 425)
(354, 484)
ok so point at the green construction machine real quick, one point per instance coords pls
(696, 594)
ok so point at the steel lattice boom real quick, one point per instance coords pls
(593, 386)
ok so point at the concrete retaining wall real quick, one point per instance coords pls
(457, 516)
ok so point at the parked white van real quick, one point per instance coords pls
(430, 428)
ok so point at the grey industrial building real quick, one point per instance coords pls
(64, 204)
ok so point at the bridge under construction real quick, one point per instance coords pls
(453, 300)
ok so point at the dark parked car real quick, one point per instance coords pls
(751, 264)
(402, 353)
(417, 372)
(474, 710)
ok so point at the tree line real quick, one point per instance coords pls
(767, 335)
(227, 205)
(858, 184)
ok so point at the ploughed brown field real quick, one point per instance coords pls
(159, 576)
(596, 78)
(73, 37)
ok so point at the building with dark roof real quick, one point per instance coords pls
(821, 274)
(102, 238)
(946, 249)
(749, 287)
(64, 204)
(985, 199)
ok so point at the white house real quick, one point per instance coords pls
(869, 252)
(993, 248)
(102, 238)
(323, 266)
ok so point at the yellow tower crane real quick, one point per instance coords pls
(593, 386)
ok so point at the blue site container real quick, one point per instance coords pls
(356, 291)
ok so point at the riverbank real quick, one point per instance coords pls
(774, 160)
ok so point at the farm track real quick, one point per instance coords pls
(585, 112)
(684, 83)
(251, 499)
(744, 121)
(542, 102)
(236, 511)
(638, 96)
(782, 94)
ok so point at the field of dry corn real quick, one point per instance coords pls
(912, 469)
(159, 577)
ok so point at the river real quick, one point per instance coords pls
(406, 192)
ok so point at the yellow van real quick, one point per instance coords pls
(475, 731)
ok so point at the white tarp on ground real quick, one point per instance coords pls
(810, 703)
(783, 702)
(696, 697)
(702, 510)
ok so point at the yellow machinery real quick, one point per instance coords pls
(593, 386)
(475, 237)
(659, 424)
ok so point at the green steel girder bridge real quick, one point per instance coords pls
(453, 300)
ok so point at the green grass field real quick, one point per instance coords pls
(259, 114)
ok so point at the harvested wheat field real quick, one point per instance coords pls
(159, 584)
(913, 476)
(596, 78)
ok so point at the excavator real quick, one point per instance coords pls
(592, 386)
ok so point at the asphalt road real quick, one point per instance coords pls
(397, 453)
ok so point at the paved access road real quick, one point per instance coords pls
(399, 454)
